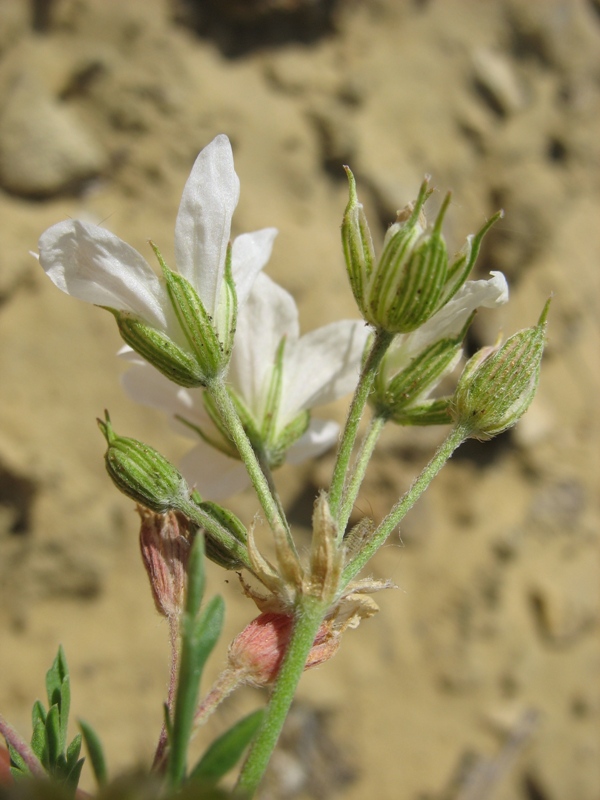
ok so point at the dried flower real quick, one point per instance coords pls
(165, 548)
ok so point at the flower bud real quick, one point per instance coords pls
(165, 549)
(159, 350)
(258, 651)
(413, 279)
(142, 473)
(498, 384)
(217, 551)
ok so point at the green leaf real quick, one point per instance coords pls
(224, 752)
(55, 677)
(64, 708)
(206, 631)
(73, 750)
(38, 713)
(196, 579)
(199, 633)
(38, 741)
(72, 777)
(18, 767)
(95, 751)
(52, 737)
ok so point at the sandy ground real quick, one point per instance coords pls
(484, 666)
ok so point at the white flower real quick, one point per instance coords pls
(92, 264)
(416, 362)
(275, 375)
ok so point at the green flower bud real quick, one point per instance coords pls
(142, 473)
(499, 383)
(414, 277)
(176, 364)
(210, 354)
(217, 550)
(404, 397)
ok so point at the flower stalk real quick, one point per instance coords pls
(381, 343)
(309, 616)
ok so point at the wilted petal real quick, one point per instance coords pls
(215, 475)
(323, 366)
(92, 264)
(269, 314)
(250, 252)
(320, 436)
(203, 226)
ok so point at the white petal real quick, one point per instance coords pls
(324, 365)
(92, 264)
(320, 436)
(147, 386)
(215, 475)
(250, 253)
(203, 224)
(268, 314)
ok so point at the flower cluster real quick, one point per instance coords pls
(216, 344)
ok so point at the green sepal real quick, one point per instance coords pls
(287, 437)
(357, 244)
(498, 384)
(432, 412)
(273, 400)
(95, 751)
(216, 550)
(159, 350)
(141, 472)
(196, 323)
(461, 268)
(389, 277)
(395, 399)
(413, 271)
(224, 753)
(417, 295)
(228, 308)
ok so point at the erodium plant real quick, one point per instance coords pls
(216, 344)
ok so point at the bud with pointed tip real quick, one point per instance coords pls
(499, 383)
(142, 473)
(414, 278)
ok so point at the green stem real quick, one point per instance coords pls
(359, 469)
(455, 438)
(380, 345)
(266, 470)
(310, 614)
(275, 517)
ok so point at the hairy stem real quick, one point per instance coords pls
(379, 347)
(455, 438)
(273, 513)
(309, 616)
(359, 469)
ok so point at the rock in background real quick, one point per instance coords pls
(482, 671)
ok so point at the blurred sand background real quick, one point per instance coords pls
(484, 666)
